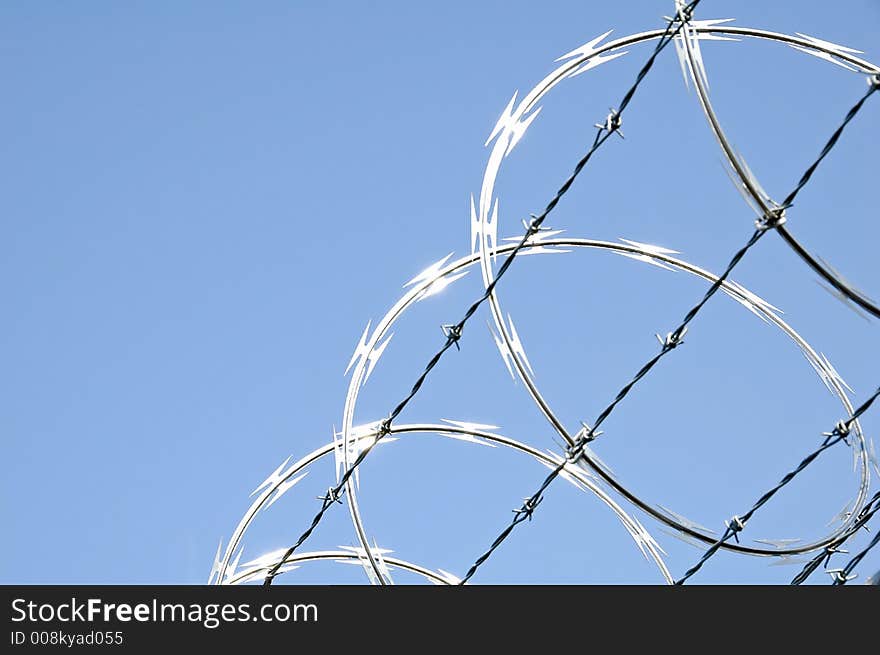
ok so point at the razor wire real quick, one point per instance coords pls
(774, 217)
(352, 445)
(285, 477)
(845, 574)
(842, 575)
(738, 523)
(590, 433)
(453, 332)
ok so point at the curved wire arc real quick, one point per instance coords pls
(514, 123)
(507, 133)
(580, 478)
(377, 337)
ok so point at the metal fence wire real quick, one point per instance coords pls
(353, 443)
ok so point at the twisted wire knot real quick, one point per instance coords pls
(735, 525)
(842, 430)
(453, 333)
(333, 495)
(384, 429)
(772, 219)
(612, 123)
(684, 13)
(673, 339)
(529, 506)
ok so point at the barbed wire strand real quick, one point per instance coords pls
(589, 434)
(454, 332)
(772, 219)
(835, 280)
(844, 575)
(737, 523)
(871, 508)
(873, 85)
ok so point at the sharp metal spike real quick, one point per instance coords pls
(683, 520)
(650, 248)
(361, 350)
(504, 120)
(518, 129)
(516, 345)
(596, 61)
(585, 49)
(215, 568)
(647, 259)
(233, 565)
(504, 350)
(374, 356)
(380, 561)
(440, 284)
(835, 374)
(825, 57)
(284, 487)
(487, 228)
(432, 271)
(273, 478)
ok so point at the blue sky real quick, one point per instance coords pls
(206, 202)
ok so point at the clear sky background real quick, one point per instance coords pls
(205, 202)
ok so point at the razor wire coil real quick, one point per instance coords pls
(351, 446)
